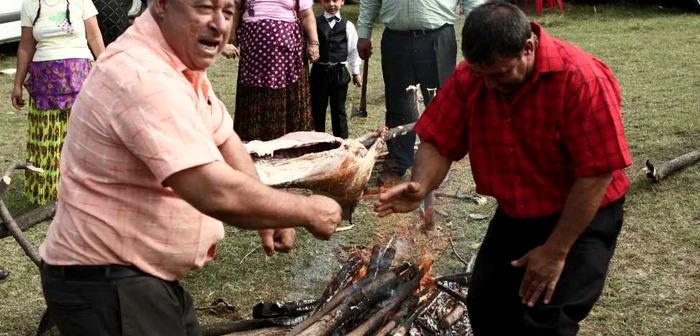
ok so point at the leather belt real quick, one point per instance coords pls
(91, 273)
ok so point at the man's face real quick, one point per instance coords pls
(507, 74)
(332, 6)
(196, 30)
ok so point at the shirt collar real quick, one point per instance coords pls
(328, 15)
(147, 27)
(547, 57)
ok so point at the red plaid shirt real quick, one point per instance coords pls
(563, 123)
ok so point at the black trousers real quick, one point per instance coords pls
(493, 303)
(408, 58)
(329, 82)
(116, 300)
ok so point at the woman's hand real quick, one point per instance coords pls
(312, 52)
(17, 100)
(230, 51)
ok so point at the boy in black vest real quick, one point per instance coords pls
(329, 77)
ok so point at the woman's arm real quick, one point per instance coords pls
(25, 53)
(94, 36)
(308, 22)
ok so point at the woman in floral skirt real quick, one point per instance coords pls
(54, 56)
(272, 96)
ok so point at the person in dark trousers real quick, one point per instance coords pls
(541, 122)
(418, 46)
(329, 77)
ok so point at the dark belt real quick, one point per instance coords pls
(91, 273)
(417, 33)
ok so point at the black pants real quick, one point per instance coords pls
(116, 300)
(493, 302)
(330, 82)
(408, 58)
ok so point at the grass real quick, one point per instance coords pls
(654, 283)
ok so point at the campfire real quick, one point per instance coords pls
(377, 291)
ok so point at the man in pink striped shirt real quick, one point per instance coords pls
(150, 168)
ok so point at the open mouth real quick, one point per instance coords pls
(209, 45)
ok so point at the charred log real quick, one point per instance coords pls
(373, 266)
(387, 260)
(371, 324)
(456, 314)
(349, 268)
(451, 292)
(283, 309)
(402, 329)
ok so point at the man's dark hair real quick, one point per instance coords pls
(494, 28)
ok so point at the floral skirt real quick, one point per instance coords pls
(53, 87)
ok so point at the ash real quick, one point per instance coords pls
(429, 322)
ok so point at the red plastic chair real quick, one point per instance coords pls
(539, 5)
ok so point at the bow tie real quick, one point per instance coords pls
(333, 18)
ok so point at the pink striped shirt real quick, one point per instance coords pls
(140, 117)
(280, 10)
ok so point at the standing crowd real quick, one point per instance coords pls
(147, 163)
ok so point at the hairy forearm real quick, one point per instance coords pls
(237, 157)
(430, 167)
(308, 22)
(581, 206)
(238, 199)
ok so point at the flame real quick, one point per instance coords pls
(360, 274)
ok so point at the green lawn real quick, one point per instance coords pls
(654, 282)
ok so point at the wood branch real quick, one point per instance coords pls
(224, 328)
(670, 167)
(283, 309)
(349, 268)
(451, 292)
(31, 218)
(402, 330)
(347, 299)
(460, 278)
(454, 316)
(373, 266)
(19, 236)
(7, 176)
(368, 139)
(372, 323)
(276, 331)
(459, 257)
(406, 306)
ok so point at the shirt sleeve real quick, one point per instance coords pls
(305, 4)
(89, 9)
(369, 11)
(445, 122)
(592, 127)
(468, 5)
(166, 131)
(353, 56)
(28, 13)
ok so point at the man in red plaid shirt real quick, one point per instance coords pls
(540, 120)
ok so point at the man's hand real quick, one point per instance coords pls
(357, 80)
(230, 51)
(544, 267)
(401, 198)
(280, 240)
(325, 217)
(364, 48)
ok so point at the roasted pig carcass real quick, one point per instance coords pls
(326, 165)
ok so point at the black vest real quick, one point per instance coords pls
(333, 41)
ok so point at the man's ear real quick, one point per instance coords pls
(158, 8)
(530, 46)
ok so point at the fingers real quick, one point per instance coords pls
(284, 240)
(533, 292)
(550, 291)
(267, 240)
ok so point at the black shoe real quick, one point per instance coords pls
(4, 274)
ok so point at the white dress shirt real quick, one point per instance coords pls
(353, 57)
